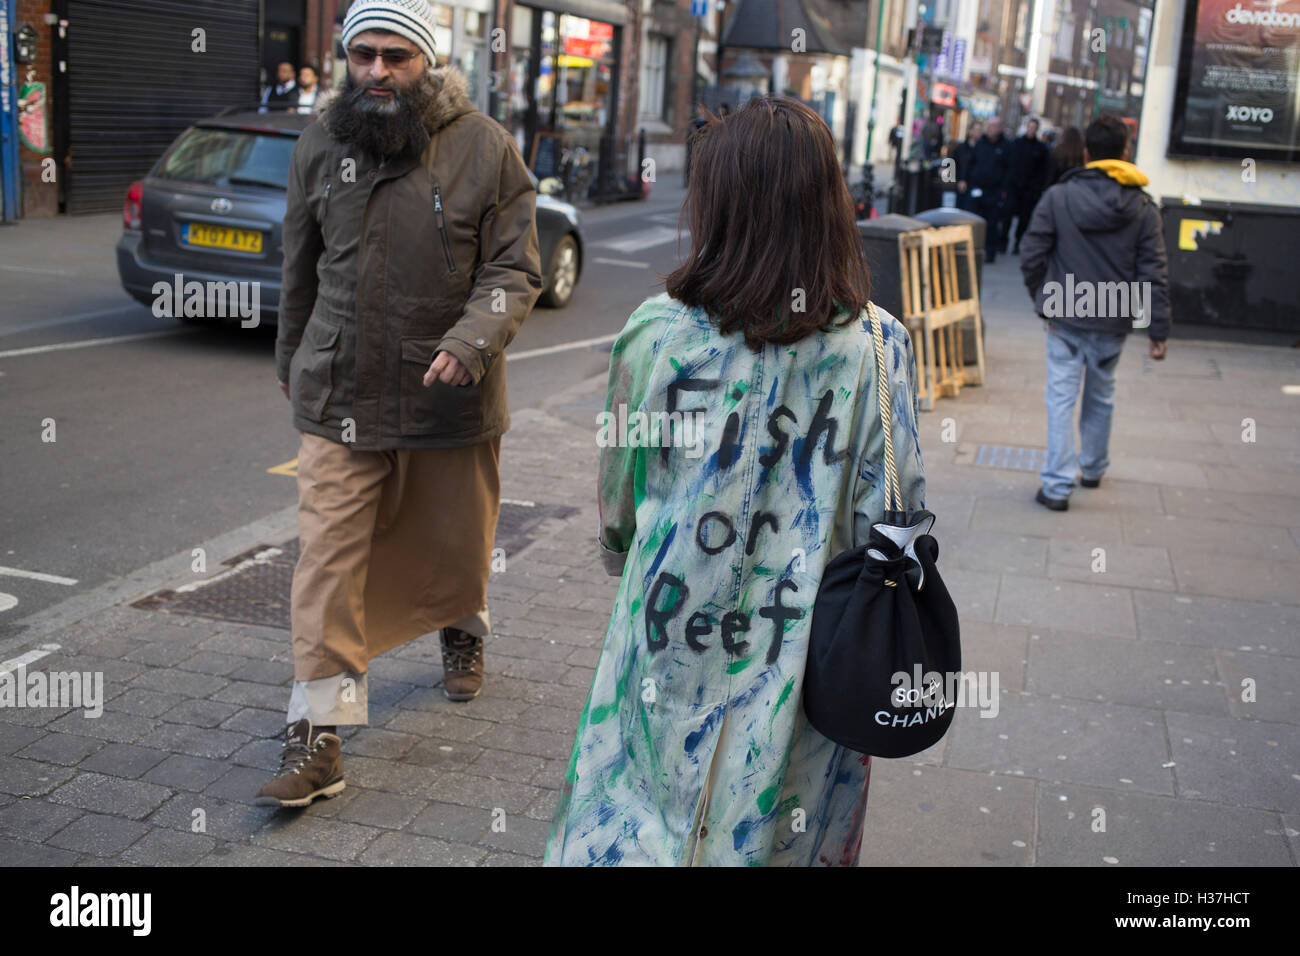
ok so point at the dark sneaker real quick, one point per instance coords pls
(309, 768)
(1055, 504)
(462, 664)
(1090, 482)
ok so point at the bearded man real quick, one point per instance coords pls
(410, 261)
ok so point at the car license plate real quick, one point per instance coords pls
(221, 237)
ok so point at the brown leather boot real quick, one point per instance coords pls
(310, 767)
(462, 664)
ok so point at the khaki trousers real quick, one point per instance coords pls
(393, 545)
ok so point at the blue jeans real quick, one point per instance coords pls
(1074, 355)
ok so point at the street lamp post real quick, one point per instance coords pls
(875, 79)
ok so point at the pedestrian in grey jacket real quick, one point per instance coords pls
(1095, 265)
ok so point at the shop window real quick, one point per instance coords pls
(471, 55)
(654, 77)
(442, 44)
(1065, 36)
(1022, 27)
(521, 53)
(583, 64)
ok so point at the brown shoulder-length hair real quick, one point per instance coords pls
(775, 251)
(1068, 153)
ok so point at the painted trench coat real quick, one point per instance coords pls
(693, 748)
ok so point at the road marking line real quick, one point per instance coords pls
(641, 240)
(31, 657)
(262, 557)
(37, 576)
(85, 343)
(621, 262)
(516, 501)
(289, 468)
(567, 346)
(48, 272)
(67, 319)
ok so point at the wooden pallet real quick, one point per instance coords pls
(934, 309)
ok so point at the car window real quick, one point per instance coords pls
(228, 157)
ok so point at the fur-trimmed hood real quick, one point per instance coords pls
(451, 102)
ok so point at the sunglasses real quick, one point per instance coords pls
(395, 59)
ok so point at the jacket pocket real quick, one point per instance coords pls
(439, 409)
(311, 374)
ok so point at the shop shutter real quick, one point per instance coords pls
(134, 83)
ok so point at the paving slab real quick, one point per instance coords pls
(1088, 826)
(914, 811)
(1260, 686)
(1218, 622)
(1246, 763)
(1070, 559)
(1029, 602)
(1068, 740)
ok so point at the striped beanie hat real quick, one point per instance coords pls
(412, 19)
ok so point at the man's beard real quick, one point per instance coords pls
(382, 128)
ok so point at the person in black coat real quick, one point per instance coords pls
(283, 95)
(964, 154)
(990, 183)
(1029, 162)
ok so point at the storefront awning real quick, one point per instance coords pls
(829, 26)
(606, 10)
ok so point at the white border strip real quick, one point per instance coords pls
(36, 576)
(31, 657)
(566, 347)
(85, 343)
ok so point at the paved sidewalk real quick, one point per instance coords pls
(1120, 690)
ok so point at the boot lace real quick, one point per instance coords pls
(461, 658)
(296, 754)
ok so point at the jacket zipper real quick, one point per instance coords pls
(442, 228)
(326, 208)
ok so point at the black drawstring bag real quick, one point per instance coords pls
(883, 611)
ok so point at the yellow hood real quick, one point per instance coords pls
(1126, 174)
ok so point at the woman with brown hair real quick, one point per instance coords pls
(741, 450)
(1065, 155)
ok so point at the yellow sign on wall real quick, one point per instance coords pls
(1189, 230)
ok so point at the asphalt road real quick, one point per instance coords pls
(164, 440)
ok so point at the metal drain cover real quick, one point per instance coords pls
(1011, 456)
(255, 587)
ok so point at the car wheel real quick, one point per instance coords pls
(563, 274)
